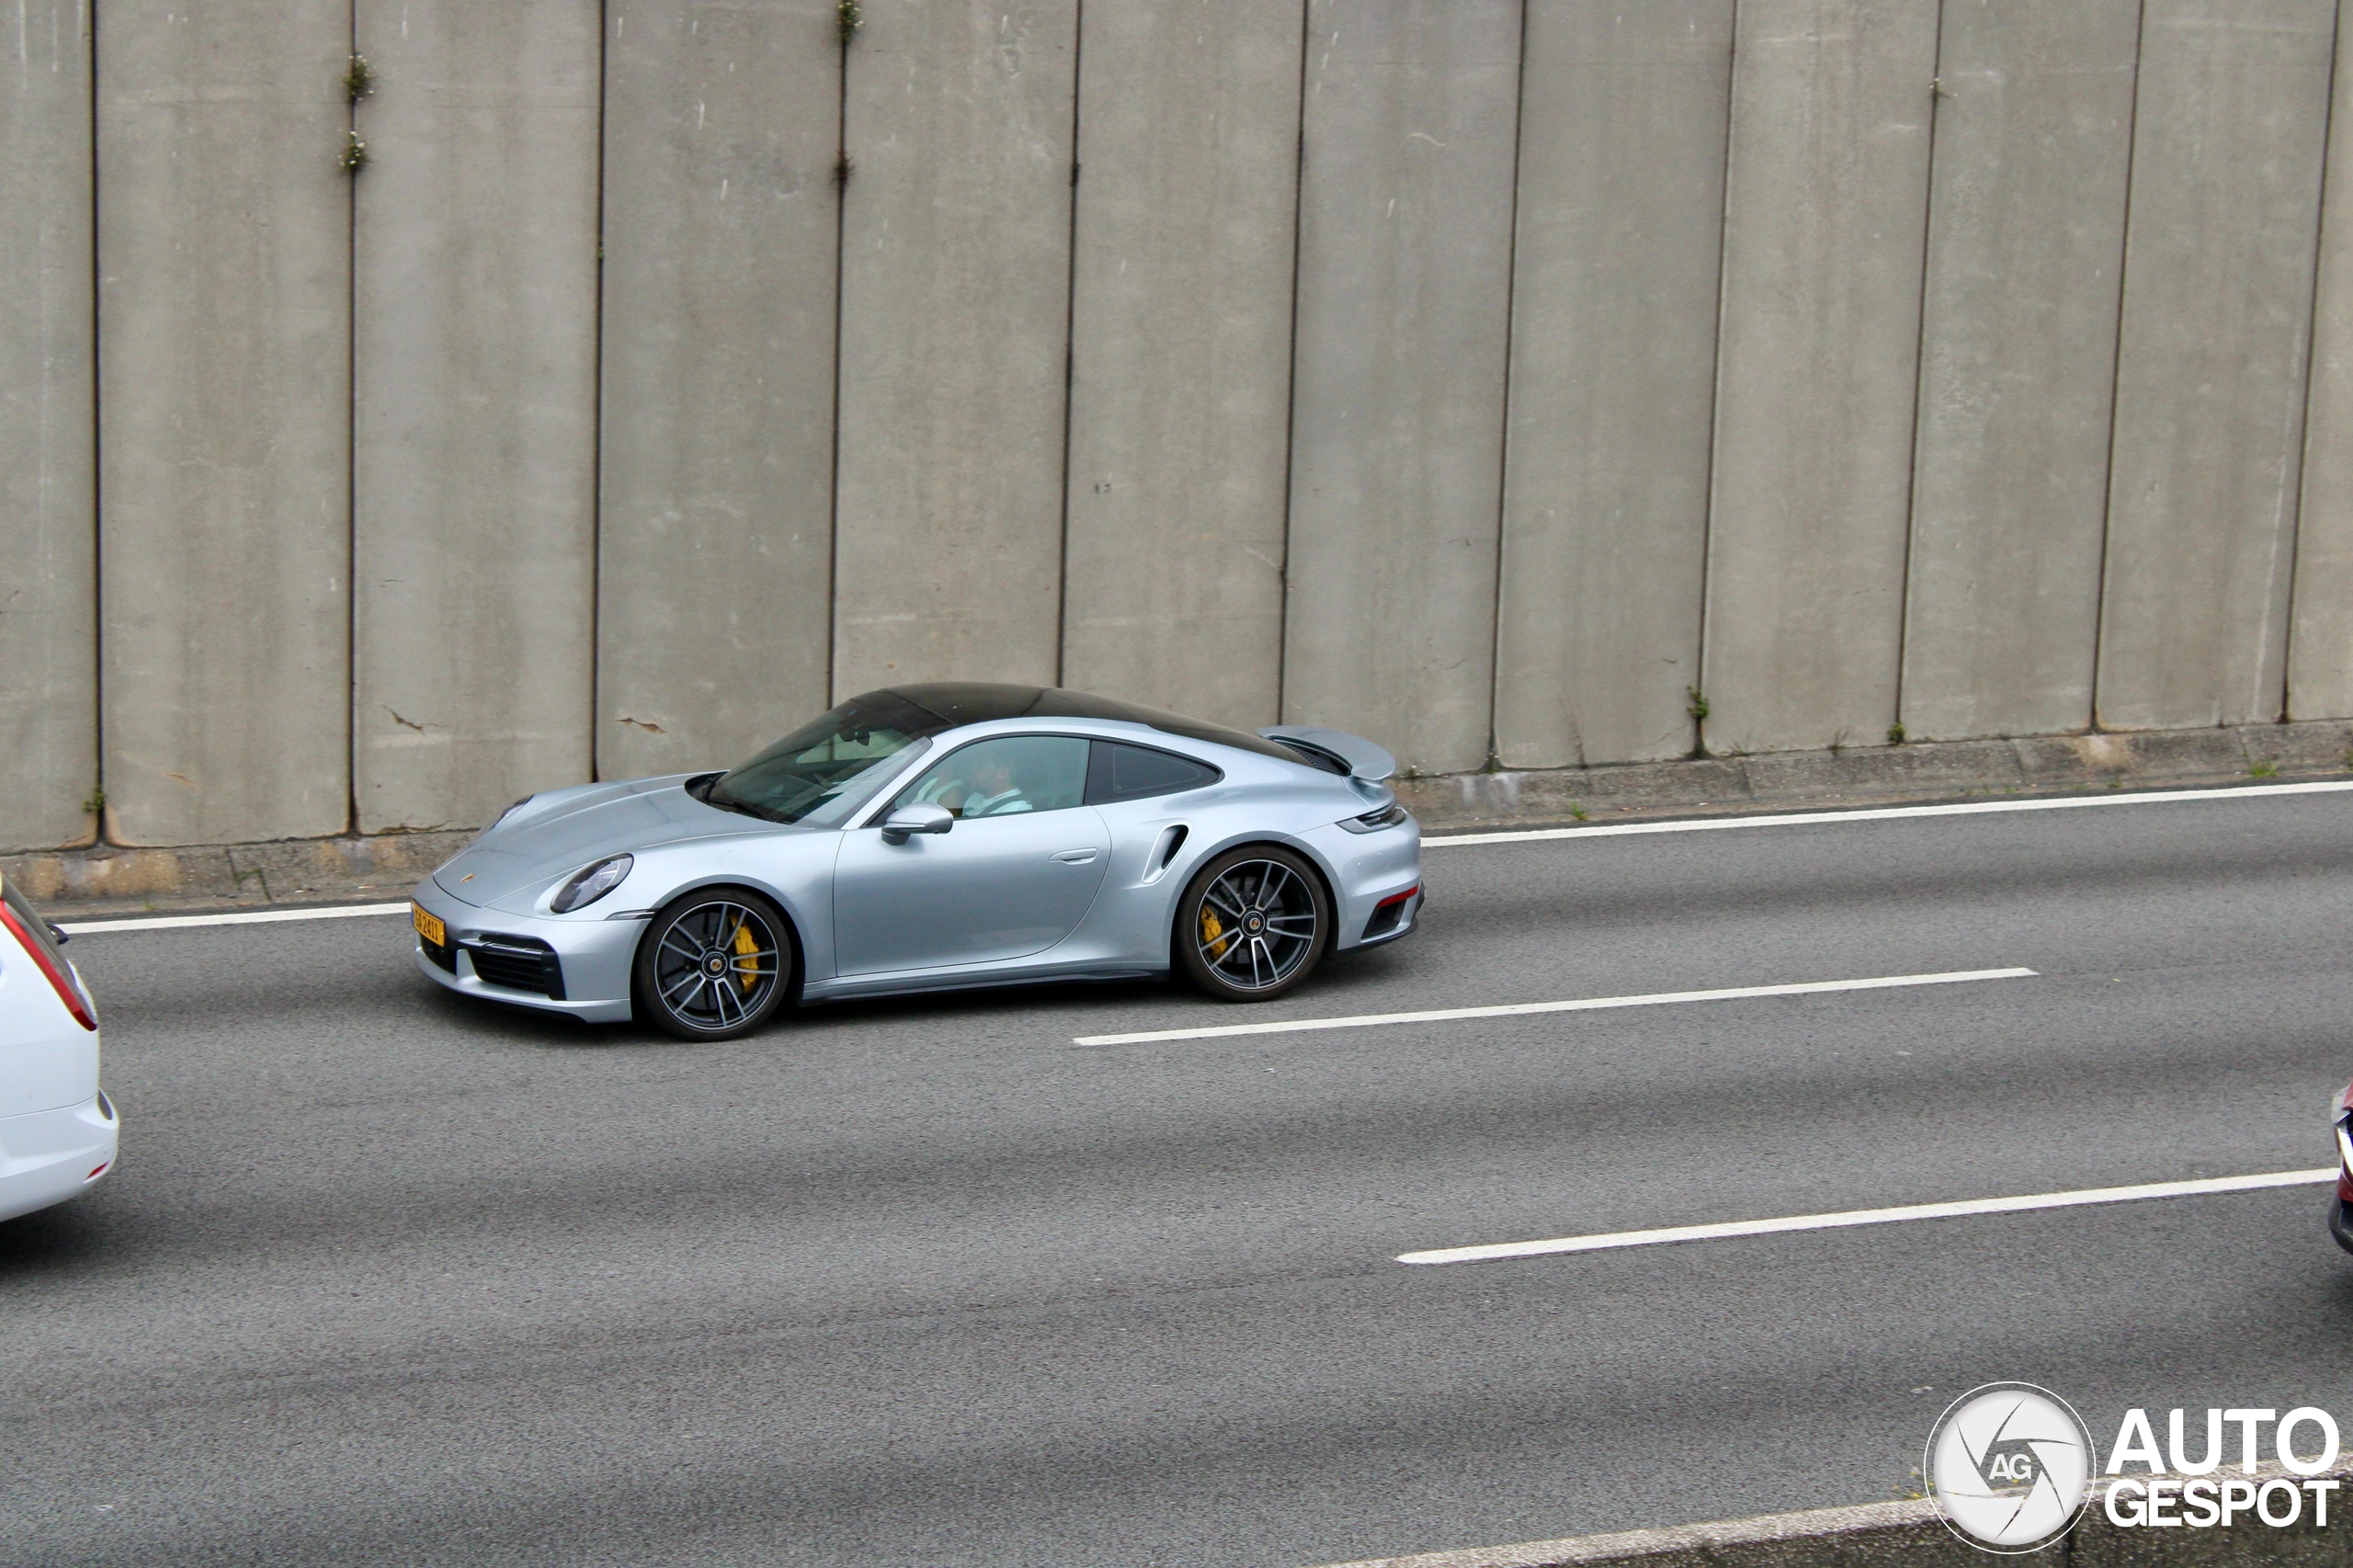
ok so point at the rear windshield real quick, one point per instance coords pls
(819, 772)
(31, 921)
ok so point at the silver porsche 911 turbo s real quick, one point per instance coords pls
(931, 837)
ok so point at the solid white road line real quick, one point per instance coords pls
(1881, 813)
(1587, 1004)
(1869, 1217)
(242, 917)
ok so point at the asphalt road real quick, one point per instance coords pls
(386, 1276)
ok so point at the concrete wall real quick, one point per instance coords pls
(1397, 412)
(1181, 378)
(1484, 375)
(2024, 263)
(1613, 364)
(955, 306)
(2320, 644)
(716, 464)
(1825, 208)
(48, 451)
(2228, 140)
(475, 401)
(224, 429)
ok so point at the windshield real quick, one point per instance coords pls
(819, 772)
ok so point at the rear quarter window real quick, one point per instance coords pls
(1117, 771)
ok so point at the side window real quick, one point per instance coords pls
(1004, 778)
(1122, 772)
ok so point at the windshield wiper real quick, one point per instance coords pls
(712, 797)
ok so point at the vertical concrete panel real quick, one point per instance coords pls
(1825, 214)
(224, 421)
(955, 313)
(715, 527)
(1614, 365)
(1404, 267)
(1180, 322)
(2025, 250)
(2229, 132)
(2320, 648)
(475, 395)
(49, 591)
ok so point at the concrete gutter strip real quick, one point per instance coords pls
(1909, 1532)
(1872, 1533)
(107, 879)
(1883, 775)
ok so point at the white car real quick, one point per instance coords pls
(57, 1129)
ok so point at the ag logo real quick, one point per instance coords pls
(2010, 1466)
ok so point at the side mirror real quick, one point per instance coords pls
(915, 819)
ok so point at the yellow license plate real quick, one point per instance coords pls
(428, 926)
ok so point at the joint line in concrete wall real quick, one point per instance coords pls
(597, 421)
(2116, 362)
(1290, 392)
(351, 442)
(87, 16)
(1070, 337)
(1919, 364)
(1716, 392)
(841, 225)
(2312, 353)
(1503, 447)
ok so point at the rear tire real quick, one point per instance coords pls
(713, 963)
(1253, 923)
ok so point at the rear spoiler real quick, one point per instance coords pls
(1356, 757)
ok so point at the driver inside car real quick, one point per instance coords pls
(993, 792)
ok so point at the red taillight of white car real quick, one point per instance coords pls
(60, 974)
(2343, 1123)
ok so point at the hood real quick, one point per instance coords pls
(561, 830)
(1362, 758)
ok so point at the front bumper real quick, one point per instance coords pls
(49, 1156)
(590, 957)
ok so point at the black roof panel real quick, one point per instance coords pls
(951, 704)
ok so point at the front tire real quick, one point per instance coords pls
(1253, 923)
(713, 963)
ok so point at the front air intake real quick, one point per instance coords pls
(517, 963)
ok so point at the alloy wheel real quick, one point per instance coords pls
(1255, 925)
(716, 967)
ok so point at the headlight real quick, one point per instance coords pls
(1389, 815)
(590, 883)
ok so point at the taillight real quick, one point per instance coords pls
(61, 978)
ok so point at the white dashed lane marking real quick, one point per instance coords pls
(2083, 1197)
(1585, 1004)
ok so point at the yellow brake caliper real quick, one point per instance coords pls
(747, 968)
(1211, 929)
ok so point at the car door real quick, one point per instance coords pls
(1011, 877)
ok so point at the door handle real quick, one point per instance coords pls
(1076, 856)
